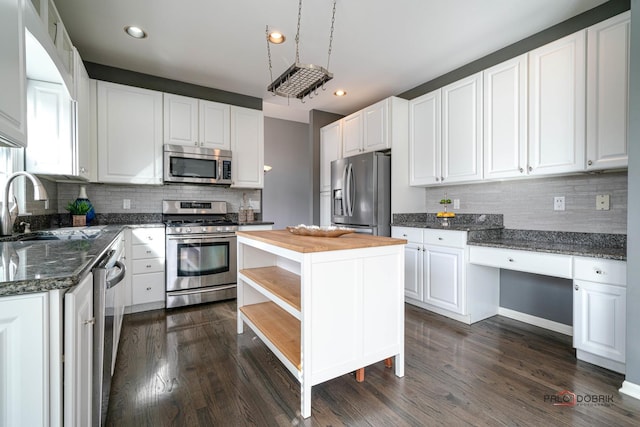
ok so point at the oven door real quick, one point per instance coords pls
(200, 261)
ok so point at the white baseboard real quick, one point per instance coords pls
(536, 321)
(630, 389)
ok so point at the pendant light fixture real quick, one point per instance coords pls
(301, 80)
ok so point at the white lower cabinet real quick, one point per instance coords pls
(439, 277)
(599, 312)
(24, 360)
(146, 260)
(78, 354)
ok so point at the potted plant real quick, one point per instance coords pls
(78, 210)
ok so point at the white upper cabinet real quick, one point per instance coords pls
(445, 134)
(83, 110)
(376, 126)
(425, 137)
(367, 130)
(608, 93)
(330, 150)
(247, 148)
(129, 134)
(557, 106)
(197, 122)
(462, 130)
(13, 102)
(51, 139)
(352, 134)
(505, 119)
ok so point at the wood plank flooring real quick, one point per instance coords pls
(188, 367)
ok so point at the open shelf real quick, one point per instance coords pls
(278, 327)
(278, 281)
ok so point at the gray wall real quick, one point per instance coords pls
(633, 229)
(287, 199)
(527, 204)
(318, 119)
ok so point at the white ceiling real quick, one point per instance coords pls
(380, 47)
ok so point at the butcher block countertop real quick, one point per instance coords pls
(307, 244)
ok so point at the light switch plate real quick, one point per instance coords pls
(126, 203)
(456, 203)
(602, 202)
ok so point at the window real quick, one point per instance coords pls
(11, 160)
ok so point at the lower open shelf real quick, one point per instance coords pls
(277, 326)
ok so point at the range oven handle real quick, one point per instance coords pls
(190, 238)
(199, 290)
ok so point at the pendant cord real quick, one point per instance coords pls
(298, 32)
(333, 20)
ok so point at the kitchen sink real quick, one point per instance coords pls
(62, 234)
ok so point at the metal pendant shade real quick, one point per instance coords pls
(301, 80)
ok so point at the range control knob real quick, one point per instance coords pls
(204, 229)
(178, 230)
(187, 230)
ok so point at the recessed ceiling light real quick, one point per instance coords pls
(340, 92)
(135, 32)
(276, 37)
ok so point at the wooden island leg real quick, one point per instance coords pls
(388, 362)
(360, 375)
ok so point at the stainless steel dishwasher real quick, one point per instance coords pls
(108, 273)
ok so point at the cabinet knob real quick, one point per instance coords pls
(598, 271)
(150, 237)
(442, 179)
(148, 288)
(521, 170)
(530, 168)
(577, 287)
(404, 235)
(590, 162)
(510, 259)
(437, 179)
(440, 238)
(148, 265)
(90, 321)
(148, 252)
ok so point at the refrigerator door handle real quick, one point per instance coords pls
(352, 189)
(345, 189)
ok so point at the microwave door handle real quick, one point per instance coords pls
(219, 163)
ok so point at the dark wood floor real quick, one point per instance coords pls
(188, 367)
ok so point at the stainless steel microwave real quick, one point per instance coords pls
(196, 165)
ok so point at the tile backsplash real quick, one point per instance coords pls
(527, 204)
(107, 198)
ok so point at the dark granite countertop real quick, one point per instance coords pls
(43, 265)
(451, 226)
(244, 224)
(597, 245)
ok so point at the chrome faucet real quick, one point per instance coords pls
(9, 214)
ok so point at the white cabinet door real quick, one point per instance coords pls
(24, 360)
(425, 139)
(599, 319)
(352, 134)
(376, 129)
(505, 119)
(325, 208)
(180, 120)
(557, 106)
(214, 125)
(247, 148)
(51, 144)
(413, 266)
(443, 278)
(330, 150)
(462, 130)
(83, 110)
(608, 93)
(13, 102)
(129, 134)
(78, 351)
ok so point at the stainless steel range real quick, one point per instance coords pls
(201, 252)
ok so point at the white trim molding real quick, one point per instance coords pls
(536, 321)
(630, 389)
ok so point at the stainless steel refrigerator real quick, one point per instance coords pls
(361, 193)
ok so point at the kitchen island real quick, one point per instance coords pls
(325, 306)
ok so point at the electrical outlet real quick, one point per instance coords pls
(456, 203)
(602, 202)
(558, 203)
(126, 204)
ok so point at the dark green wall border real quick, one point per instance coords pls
(577, 23)
(146, 81)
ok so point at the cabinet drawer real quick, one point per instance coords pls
(147, 251)
(455, 239)
(600, 270)
(147, 235)
(150, 265)
(531, 262)
(409, 233)
(148, 288)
